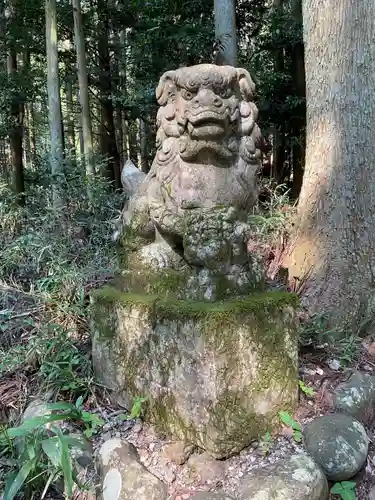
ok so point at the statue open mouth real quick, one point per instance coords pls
(207, 118)
(206, 124)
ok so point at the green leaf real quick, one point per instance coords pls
(348, 485)
(16, 484)
(305, 389)
(286, 418)
(51, 449)
(336, 489)
(297, 436)
(123, 417)
(267, 437)
(32, 424)
(79, 402)
(66, 463)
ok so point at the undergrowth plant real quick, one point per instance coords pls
(344, 490)
(49, 262)
(38, 451)
(336, 343)
(289, 421)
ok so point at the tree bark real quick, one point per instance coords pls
(70, 133)
(332, 252)
(79, 37)
(54, 105)
(16, 133)
(225, 31)
(298, 122)
(122, 68)
(143, 145)
(279, 132)
(108, 145)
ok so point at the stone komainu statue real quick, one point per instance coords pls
(207, 146)
(207, 158)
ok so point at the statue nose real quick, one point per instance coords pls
(207, 98)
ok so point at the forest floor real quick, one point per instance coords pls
(47, 270)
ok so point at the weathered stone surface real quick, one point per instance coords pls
(207, 495)
(215, 374)
(296, 477)
(203, 181)
(338, 443)
(131, 178)
(178, 452)
(204, 467)
(356, 397)
(123, 475)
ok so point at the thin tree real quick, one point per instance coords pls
(16, 115)
(108, 146)
(83, 88)
(225, 31)
(70, 131)
(332, 254)
(54, 104)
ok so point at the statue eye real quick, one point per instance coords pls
(224, 92)
(187, 94)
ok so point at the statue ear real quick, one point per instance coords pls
(247, 86)
(166, 87)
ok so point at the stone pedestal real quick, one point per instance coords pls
(216, 374)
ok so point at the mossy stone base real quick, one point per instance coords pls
(215, 374)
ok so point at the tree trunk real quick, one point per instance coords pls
(32, 132)
(279, 146)
(225, 31)
(54, 105)
(119, 132)
(333, 249)
(143, 145)
(108, 145)
(122, 68)
(15, 133)
(70, 133)
(298, 121)
(83, 88)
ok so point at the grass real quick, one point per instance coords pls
(48, 265)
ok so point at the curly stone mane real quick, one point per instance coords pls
(212, 94)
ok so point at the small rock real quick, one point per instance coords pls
(106, 436)
(206, 468)
(295, 477)
(138, 426)
(208, 495)
(178, 452)
(123, 475)
(334, 364)
(356, 397)
(36, 408)
(338, 443)
(169, 476)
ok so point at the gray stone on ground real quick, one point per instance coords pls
(208, 495)
(178, 452)
(296, 477)
(356, 397)
(338, 443)
(124, 477)
(206, 468)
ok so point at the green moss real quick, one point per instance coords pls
(162, 283)
(257, 303)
